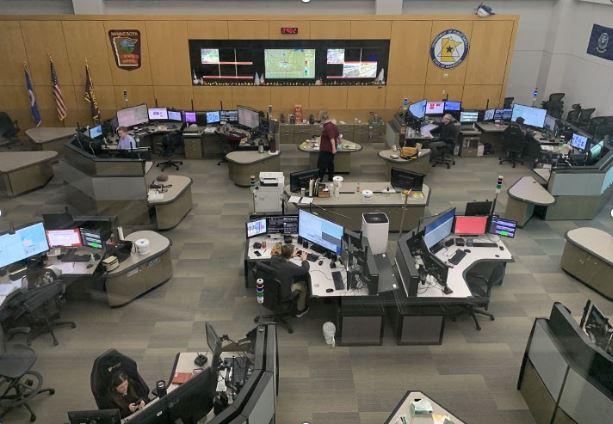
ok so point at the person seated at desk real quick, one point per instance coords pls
(447, 133)
(126, 141)
(123, 394)
(290, 274)
(513, 127)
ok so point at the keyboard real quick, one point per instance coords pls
(457, 257)
(73, 256)
(312, 257)
(484, 244)
(338, 280)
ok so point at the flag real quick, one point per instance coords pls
(32, 98)
(90, 97)
(601, 42)
(62, 110)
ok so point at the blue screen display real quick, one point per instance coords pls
(578, 141)
(320, 231)
(95, 132)
(418, 109)
(212, 117)
(452, 105)
(533, 116)
(440, 228)
(24, 243)
(503, 114)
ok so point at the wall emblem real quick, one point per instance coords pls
(449, 49)
(126, 48)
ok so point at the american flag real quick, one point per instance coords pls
(60, 105)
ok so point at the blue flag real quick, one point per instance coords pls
(32, 98)
(601, 42)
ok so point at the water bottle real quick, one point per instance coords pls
(259, 290)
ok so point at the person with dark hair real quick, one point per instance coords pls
(329, 140)
(293, 277)
(123, 394)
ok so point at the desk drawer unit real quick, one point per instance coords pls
(360, 322)
(418, 325)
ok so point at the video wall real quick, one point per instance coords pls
(295, 62)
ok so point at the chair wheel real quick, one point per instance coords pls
(290, 330)
(51, 392)
(492, 318)
(55, 343)
(478, 328)
(448, 166)
(499, 162)
(256, 319)
(73, 325)
(32, 418)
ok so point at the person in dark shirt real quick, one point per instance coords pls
(123, 394)
(327, 147)
(293, 277)
(447, 134)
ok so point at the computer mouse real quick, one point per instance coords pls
(329, 290)
(467, 250)
(320, 262)
(501, 248)
(200, 360)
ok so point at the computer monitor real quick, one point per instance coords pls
(212, 339)
(503, 114)
(91, 237)
(58, 221)
(300, 179)
(212, 117)
(320, 231)
(489, 114)
(468, 116)
(192, 400)
(98, 416)
(95, 132)
(435, 108)
(453, 105)
(550, 123)
(596, 324)
(502, 227)
(229, 116)
(26, 242)
(478, 208)
(248, 117)
(439, 228)
(175, 115)
(132, 116)
(470, 225)
(282, 224)
(158, 114)
(406, 180)
(64, 238)
(579, 142)
(201, 118)
(105, 224)
(596, 149)
(533, 116)
(418, 109)
(189, 117)
(256, 228)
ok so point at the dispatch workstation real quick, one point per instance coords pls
(251, 212)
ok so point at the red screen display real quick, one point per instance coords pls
(471, 225)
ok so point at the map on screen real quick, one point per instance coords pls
(289, 63)
(335, 56)
(359, 69)
(209, 56)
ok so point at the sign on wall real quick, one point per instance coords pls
(126, 48)
(449, 49)
(601, 42)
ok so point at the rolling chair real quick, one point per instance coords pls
(513, 139)
(601, 126)
(555, 104)
(572, 116)
(282, 307)
(443, 155)
(19, 382)
(584, 117)
(8, 131)
(169, 146)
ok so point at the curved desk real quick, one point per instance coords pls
(588, 256)
(420, 164)
(243, 164)
(342, 159)
(523, 196)
(24, 171)
(139, 274)
(50, 138)
(172, 206)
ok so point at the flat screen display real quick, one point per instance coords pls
(174, 115)
(24, 243)
(469, 116)
(189, 117)
(132, 116)
(212, 117)
(91, 238)
(470, 225)
(533, 116)
(209, 56)
(289, 63)
(503, 114)
(359, 69)
(335, 56)
(320, 231)
(452, 106)
(95, 132)
(439, 228)
(503, 227)
(158, 114)
(435, 108)
(406, 180)
(229, 115)
(489, 114)
(418, 109)
(579, 142)
(64, 238)
(282, 224)
(256, 228)
(248, 118)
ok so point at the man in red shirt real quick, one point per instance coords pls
(327, 147)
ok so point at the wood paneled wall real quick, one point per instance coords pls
(165, 75)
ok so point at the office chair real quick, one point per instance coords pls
(601, 126)
(573, 115)
(513, 139)
(102, 371)
(481, 287)
(282, 307)
(169, 146)
(19, 382)
(555, 104)
(8, 131)
(584, 117)
(443, 154)
(508, 102)
(39, 308)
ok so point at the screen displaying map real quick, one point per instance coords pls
(22, 244)
(289, 63)
(359, 69)
(209, 56)
(335, 56)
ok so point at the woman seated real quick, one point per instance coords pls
(123, 394)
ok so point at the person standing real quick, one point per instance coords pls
(327, 147)
(126, 141)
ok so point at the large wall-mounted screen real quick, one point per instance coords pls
(289, 63)
(209, 56)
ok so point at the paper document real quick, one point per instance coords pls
(154, 195)
(296, 200)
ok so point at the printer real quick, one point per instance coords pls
(268, 193)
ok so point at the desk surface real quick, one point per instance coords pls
(157, 245)
(179, 184)
(544, 173)
(387, 155)
(346, 146)
(248, 157)
(404, 410)
(76, 269)
(13, 161)
(42, 135)
(527, 189)
(597, 242)
(491, 127)
(349, 197)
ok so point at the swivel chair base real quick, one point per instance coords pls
(48, 328)
(21, 390)
(279, 319)
(512, 159)
(443, 160)
(168, 163)
(473, 313)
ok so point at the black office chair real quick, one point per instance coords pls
(274, 300)
(601, 126)
(19, 382)
(573, 115)
(39, 309)
(102, 371)
(444, 154)
(584, 117)
(513, 145)
(170, 143)
(508, 102)
(9, 131)
(555, 104)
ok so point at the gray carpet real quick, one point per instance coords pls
(473, 373)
